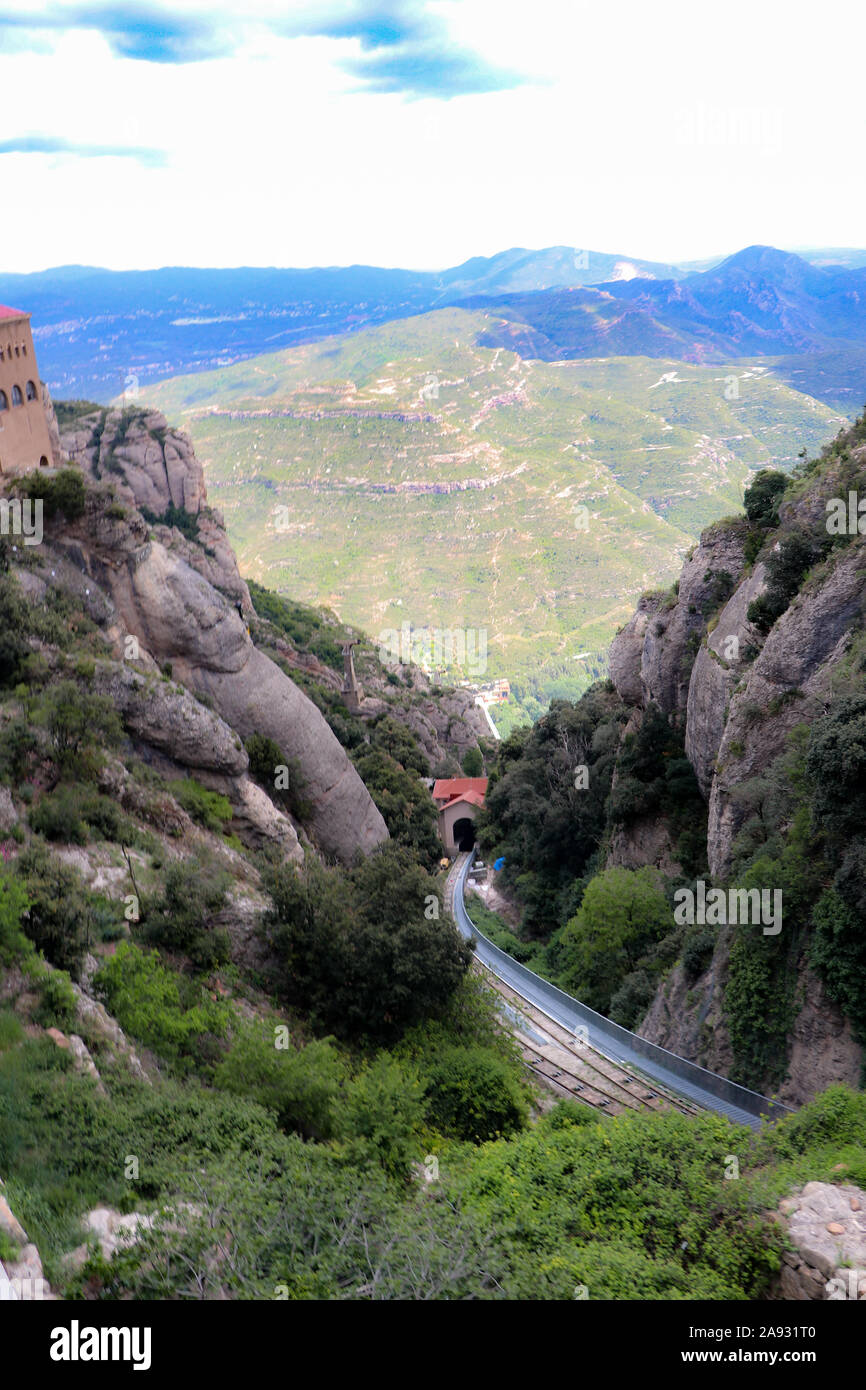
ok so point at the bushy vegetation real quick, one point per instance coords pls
(182, 918)
(184, 521)
(624, 913)
(278, 775)
(207, 808)
(61, 495)
(75, 814)
(762, 498)
(630, 1209)
(365, 953)
(175, 1017)
(545, 817)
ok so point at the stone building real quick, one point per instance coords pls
(458, 800)
(25, 442)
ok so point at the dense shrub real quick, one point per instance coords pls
(762, 498)
(184, 521)
(629, 1003)
(838, 952)
(181, 918)
(57, 1006)
(405, 803)
(301, 1086)
(623, 913)
(13, 904)
(153, 1004)
(381, 1115)
(64, 494)
(59, 919)
(785, 570)
(268, 765)
(74, 813)
(367, 952)
(836, 767)
(548, 828)
(13, 629)
(473, 762)
(698, 949)
(79, 725)
(473, 1095)
(208, 809)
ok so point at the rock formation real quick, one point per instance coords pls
(736, 694)
(826, 1226)
(184, 602)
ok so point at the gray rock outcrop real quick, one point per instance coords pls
(651, 657)
(182, 604)
(826, 1225)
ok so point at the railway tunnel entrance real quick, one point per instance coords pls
(464, 834)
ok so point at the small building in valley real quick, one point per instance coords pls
(25, 442)
(458, 799)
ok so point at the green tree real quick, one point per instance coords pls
(13, 904)
(762, 498)
(367, 952)
(59, 918)
(836, 767)
(13, 627)
(474, 1095)
(381, 1115)
(473, 762)
(623, 912)
(407, 808)
(182, 917)
(302, 1085)
(158, 1007)
(78, 723)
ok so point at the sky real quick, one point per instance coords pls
(418, 134)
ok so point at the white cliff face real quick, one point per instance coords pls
(186, 614)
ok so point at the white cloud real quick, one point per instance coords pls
(664, 131)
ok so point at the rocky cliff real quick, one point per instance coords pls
(739, 685)
(153, 564)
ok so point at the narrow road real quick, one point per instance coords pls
(699, 1086)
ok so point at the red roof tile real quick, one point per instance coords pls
(7, 313)
(473, 798)
(449, 787)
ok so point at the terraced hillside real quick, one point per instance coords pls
(407, 474)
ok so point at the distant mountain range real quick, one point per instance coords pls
(101, 332)
(412, 473)
(760, 301)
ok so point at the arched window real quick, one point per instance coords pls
(17, 398)
(43, 462)
(17, 351)
(4, 401)
(30, 389)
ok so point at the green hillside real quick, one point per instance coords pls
(405, 474)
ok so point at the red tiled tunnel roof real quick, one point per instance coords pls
(447, 788)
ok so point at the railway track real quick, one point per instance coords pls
(577, 1052)
(572, 1068)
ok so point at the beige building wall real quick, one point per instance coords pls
(448, 818)
(24, 439)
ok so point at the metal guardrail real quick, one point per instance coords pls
(697, 1083)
